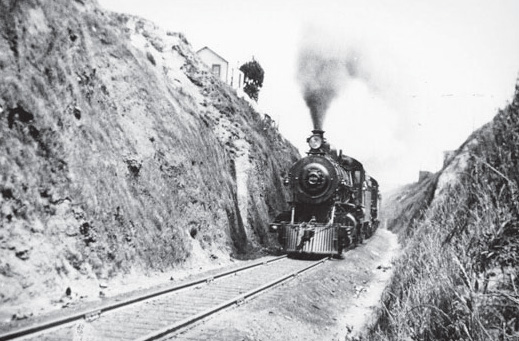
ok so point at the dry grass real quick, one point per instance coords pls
(458, 276)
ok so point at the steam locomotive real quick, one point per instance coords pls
(334, 205)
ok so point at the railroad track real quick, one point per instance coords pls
(170, 310)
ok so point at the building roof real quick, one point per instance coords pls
(207, 48)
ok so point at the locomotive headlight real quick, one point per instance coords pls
(315, 141)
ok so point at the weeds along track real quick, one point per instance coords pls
(170, 310)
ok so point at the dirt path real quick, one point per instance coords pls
(332, 303)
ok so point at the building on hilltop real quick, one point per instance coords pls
(220, 68)
(218, 65)
(237, 78)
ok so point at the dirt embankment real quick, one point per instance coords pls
(457, 276)
(120, 154)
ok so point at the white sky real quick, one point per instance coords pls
(438, 69)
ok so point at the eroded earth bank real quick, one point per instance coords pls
(121, 157)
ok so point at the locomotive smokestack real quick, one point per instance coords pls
(318, 132)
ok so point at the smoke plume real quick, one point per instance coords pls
(323, 70)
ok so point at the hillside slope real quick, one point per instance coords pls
(458, 277)
(120, 153)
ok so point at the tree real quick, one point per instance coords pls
(253, 78)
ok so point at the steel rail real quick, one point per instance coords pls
(85, 314)
(237, 300)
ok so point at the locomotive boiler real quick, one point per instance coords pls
(334, 202)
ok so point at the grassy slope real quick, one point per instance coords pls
(118, 151)
(405, 205)
(458, 276)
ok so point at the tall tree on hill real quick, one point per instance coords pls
(253, 78)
